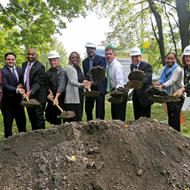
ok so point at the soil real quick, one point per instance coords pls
(97, 155)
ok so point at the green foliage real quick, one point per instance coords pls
(131, 23)
(32, 23)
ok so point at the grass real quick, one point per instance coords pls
(158, 112)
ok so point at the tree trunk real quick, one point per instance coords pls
(183, 12)
(158, 19)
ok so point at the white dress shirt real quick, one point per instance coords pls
(117, 74)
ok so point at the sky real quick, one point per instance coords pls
(82, 30)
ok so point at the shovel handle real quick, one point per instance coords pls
(58, 106)
(24, 94)
(89, 89)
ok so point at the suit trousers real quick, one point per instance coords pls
(139, 109)
(36, 117)
(100, 107)
(118, 111)
(9, 114)
(174, 113)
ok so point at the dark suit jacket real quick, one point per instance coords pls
(97, 60)
(38, 84)
(142, 96)
(9, 85)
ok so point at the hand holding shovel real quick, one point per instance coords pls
(64, 114)
(31, 103)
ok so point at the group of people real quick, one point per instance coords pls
(65, 87)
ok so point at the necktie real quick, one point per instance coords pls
(28, 77)
(90, 63)
(14, 74)
(108, 78)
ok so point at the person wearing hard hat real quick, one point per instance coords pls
(56, 81)
(186, 67)
(141, 102)
(91, 61)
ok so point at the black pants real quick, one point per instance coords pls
(100, 107)
(36, 116)
(140, 110)
(174, 113)
(118, 111)
(9, 114)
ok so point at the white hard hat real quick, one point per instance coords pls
(186, 51)
(135, 51)
(90, 44)
(53, 54)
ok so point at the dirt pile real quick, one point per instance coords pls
(98, 155)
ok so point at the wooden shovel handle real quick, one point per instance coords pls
(24, 94)
(58, 106)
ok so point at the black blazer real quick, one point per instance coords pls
(98, 60)
(142, 96)
(9, 85)
(38, 83)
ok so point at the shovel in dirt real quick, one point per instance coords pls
(30, 103)
(135, 79)
(98, 74)
(64, 114)
(91, 93)
(117, 95)
(161, 96)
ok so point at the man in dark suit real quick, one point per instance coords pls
(10, 107)
(91, 61)
(141, 102)
(35, 86)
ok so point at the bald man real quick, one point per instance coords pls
(35, 87)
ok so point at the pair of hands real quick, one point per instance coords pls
(157, 84)
(55, 99)
(20, 90)
(177, 93)
(87, 84)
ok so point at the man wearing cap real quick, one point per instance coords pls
(91, 61)
(141, 102)
(35, 87)
(56, 81)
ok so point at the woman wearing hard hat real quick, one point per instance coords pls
(75, 86)
(186, 66)
(56, 81)
(172, 79)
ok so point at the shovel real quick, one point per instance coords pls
(64, 114)
(90, 93)
(161, 96)
(98, 74)
(135, 79)
(30, 103)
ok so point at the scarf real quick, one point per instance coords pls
(166, 75)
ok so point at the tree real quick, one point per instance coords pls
(170, 24)
(32, 23)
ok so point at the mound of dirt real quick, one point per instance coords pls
(97, 155)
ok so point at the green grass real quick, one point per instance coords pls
(158, 112)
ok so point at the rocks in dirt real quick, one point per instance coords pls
(99, 155)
